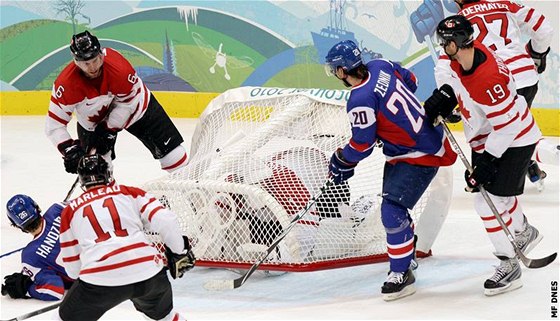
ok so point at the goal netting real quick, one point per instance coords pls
(258, 155)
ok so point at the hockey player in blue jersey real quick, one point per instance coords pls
(382, 106)
(41, 276)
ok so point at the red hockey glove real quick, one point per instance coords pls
(340, 169)
(484, 171)
(441, 102)
(538, 58)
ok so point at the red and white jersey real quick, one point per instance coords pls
(494, 117)
(102, 237)
(500, 25)
(118, 96)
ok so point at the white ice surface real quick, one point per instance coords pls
(449, 284)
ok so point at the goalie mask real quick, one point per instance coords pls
(22, 211)
(345, 54)
(93, 170)
(85, 46)
(457, 29)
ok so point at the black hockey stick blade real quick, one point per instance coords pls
(538, 263)
(34, 313)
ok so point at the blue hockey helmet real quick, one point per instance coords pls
(345, 54)
(22, 211)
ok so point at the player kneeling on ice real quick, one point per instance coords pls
(103, 245)
(41, 276)
(502, 134)
(382, 106)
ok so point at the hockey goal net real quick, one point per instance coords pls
(258, 155)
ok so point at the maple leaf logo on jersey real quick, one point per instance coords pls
(100, 115)
(464, 111)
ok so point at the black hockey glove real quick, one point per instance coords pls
(104, 139)
(340, 169)
(454, 117)
(72, 152)
(16, 285)
(441, 102)
(484, 171)
(538, 58)
(178, 264)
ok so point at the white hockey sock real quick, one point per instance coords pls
(174, 160)
(547, 152)
(497, 236)
(516, 213)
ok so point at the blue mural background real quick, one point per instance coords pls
(212, 46)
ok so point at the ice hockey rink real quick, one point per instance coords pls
(449, 284)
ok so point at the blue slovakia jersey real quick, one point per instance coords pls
(383, 107)
(39, 259)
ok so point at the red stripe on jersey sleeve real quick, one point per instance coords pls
(153, 199)
(153, 212)
(58, 119)
(515, 58)
(529, 15)
(359, 147)
(522, 69)
(539, 23)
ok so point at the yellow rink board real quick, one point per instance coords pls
(191, 105)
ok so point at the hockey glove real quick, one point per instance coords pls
(16, 285)
(72, 152)
(441, 102)
(484, 171)
(340, 169)
(105, 138)
(538, 58)
(454, 117)
(178, 264)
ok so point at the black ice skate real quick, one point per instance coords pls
(506, 278)
(536, 175)
(527, 239)
(398, 285)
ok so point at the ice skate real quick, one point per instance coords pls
(536, 175)
(506, 278)
(398, 285)
(527, 239)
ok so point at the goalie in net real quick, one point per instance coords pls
(258, 156)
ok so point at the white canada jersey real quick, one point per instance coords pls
(102, 235)
(500, 25)
(494, 117)
(118, 97)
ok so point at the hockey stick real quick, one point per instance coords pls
(530, 263)
(11, 252)
(34, 313)
(234, 284)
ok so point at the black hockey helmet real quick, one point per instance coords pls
(93, 170)
(457, 29)
(85, 46)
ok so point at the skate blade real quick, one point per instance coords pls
(508, 288)
(408, 290)
(533, 244)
